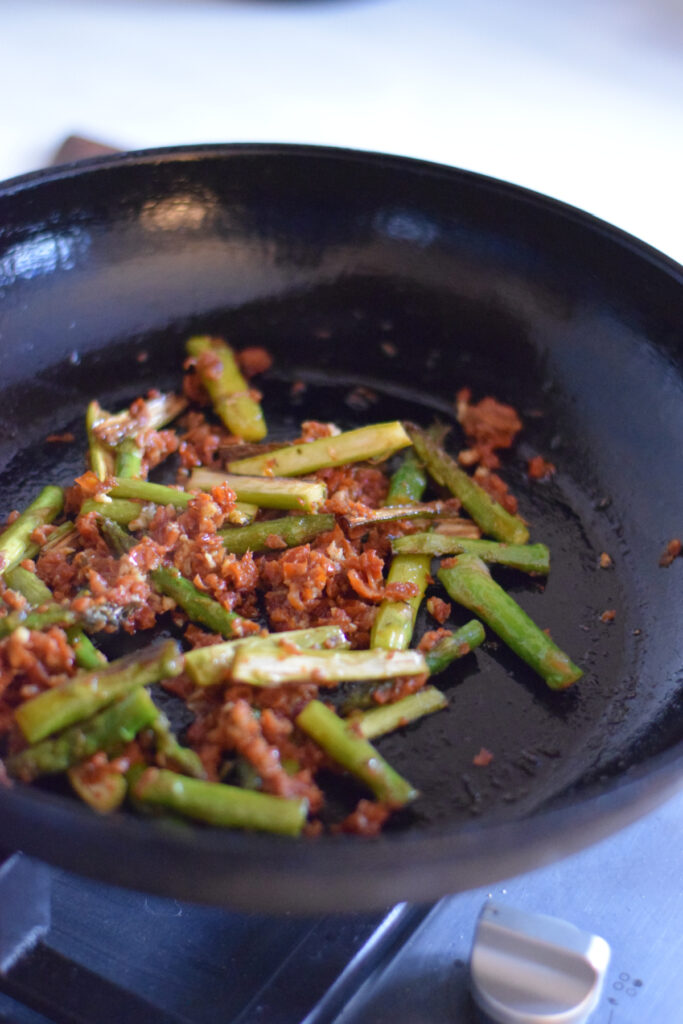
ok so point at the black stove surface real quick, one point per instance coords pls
(108, 955)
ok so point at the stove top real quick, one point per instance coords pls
(107, 955)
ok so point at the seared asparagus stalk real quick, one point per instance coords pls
(395, 620)
(49, 615)
(143, 490)
(455, 646)
(265, 667)
(533, 558)
(383, 719)
(374, 442)
(174, 755)
(109, 730)
(227, 388)
(289, 531)
(199, 606)
(101, 459)
(408, 483)
(120, 510)
(357, 755)
(265, 492)
(15, 540)
(491, 517)
(88, 692)
(158, 411)
(469, 583)
(128, 459)
(207, 666)
(38, 595)
(216, 803)
(104, 791)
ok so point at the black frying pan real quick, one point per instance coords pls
(413, 280)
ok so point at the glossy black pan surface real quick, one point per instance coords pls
(413, 281)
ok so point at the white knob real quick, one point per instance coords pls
(532, 969)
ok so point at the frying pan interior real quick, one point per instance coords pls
(381, 287)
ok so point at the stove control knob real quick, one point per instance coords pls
(532, 969)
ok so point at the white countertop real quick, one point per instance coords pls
(578, 99)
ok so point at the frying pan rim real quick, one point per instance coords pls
(665, 765)
(189, 153)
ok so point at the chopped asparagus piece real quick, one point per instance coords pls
(158, 412)
(218, 804)
(290, 531)
(450, 648)
(395, 620)
(199, 606)
(88, 692)
(408, 483)
(101, 459)
(128, 456)
(377, 441)
(354, 753)
(15, 540)
(260, 667)
(491, 517)
(227, 388)
(207, 666)
(266, 492)
(392, 513)
(104, 792)
(29, 585)
(469, 583)
(86, 654)
(50, 615)
(174, 755)
(143, 490)
(110, 731)
(242, 512)
(534, 558)
(381, 720)
(120, 510)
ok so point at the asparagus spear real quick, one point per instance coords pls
(408, 483)
(37, 594)
(209, 665)
(104, 792)
(158, 412)
(291, 530)
(373, 442)
(227, 388)
(450, 648)
(174, 755)
(447, 650)
(355, 754)
(15, 540)
(120, 510)
(88, 692)
(128, 459)
(266, 492)
(101, 459)
(31, 586)
(534, 558)
(143, 490)
(395, 620)
(198, 606)
(469, 583)
(491, 517)
(381, 720)
(265, 667)
(86, 654)
(50, 615)
(218, 804)
(109, 730)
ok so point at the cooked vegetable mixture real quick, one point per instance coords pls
(283, 571)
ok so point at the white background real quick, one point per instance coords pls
(579, 99)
